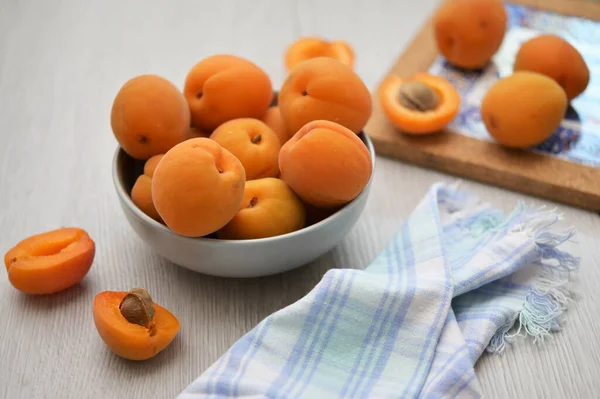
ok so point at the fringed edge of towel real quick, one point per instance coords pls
(547, 300)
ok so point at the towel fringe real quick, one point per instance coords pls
(548, 298)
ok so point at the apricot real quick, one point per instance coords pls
(195, 132)
(555, 57)
(49, 262)
(253, 143)
(469, 32)
(198, 187)
(149, 116)
(133, 326)
(326, 164)
(224, 87)
(141, 195)
(421, 104)
(150, 165)
(270, 208)
(310, 47)
(323, 88)
(523, 109)
(273, 119)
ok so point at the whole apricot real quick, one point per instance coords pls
(150, 165)
(131, 325)
(141, 195)
(149, 116)
(224, 87)
(523, 109)
(323, 88)
(273, 119)
(326, 164)
(555, 57)
(469, 32)
(49, 262)
(306, 48)
(253, 143)
(198, 187)
(270, 208)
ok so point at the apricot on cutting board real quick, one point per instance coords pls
(323, 88)
(51, 261)
(306, 48)
(252, 142)
(132, 325)
(149, 116)
(224, 87)
(523, 109)
(326, 164)
(469, 32)
(421, 104)
(197, 187)
(555, 57)
(270, 208)
(273, 119)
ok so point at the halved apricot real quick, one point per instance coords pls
(50, 262)
(132, 325)
(421, 104)
(311, 47)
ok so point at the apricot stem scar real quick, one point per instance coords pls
(253, 202)
(304, 93)
(142, 139)
(220, 170)
(199, 95)
(256, 139)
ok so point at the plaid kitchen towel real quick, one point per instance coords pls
(459, 278)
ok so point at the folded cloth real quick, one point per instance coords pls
(459, 278)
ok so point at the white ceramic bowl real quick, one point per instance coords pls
(236, 258)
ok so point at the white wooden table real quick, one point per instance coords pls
(62, 62)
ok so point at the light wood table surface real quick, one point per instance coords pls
(62, 62)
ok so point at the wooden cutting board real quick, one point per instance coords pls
(564, 169)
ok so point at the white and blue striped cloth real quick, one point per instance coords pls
(458, 279)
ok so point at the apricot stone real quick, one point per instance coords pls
(523, 109)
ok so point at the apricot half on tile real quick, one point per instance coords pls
(132, 325)
(51, 261)
(421, 104)
(310, 47)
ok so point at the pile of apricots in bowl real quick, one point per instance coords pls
(520, 110)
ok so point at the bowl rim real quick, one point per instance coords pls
(126, 199)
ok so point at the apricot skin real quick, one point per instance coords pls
(49, 262)
(326, 164)
(128, 340)
(553, 56)
(141, 195)
(310, 47)
(224, 87)
(323, 88)
(150, 165)
(198, 187)
(469, 32)
(149, 115)
(273, 119)
(523, 109)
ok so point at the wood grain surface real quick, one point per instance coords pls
(484, 161)
(62, 62)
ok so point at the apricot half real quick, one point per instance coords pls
(323, 88)
(270, 208)
(421, 104)
(555, 57)
(469, 32)
(224, 87)
(51, 261)
(326, 164)
(310, 47)
(198, 187)
(132, 325)
(523, 109)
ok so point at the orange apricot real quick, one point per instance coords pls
(523, 109)
(421, 104)
(224, 87)
(141, 195)
(326, 164)
(252, 142)
(270, 208)
(150, 165)
(197, 132)
(469, 32)
(323, 88)
(149, 116)
(49, 262)
(310, 47)
(273, 119)
(555, 57)
(133, 326)
(198, 187)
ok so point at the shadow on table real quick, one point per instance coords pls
(49, 302)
